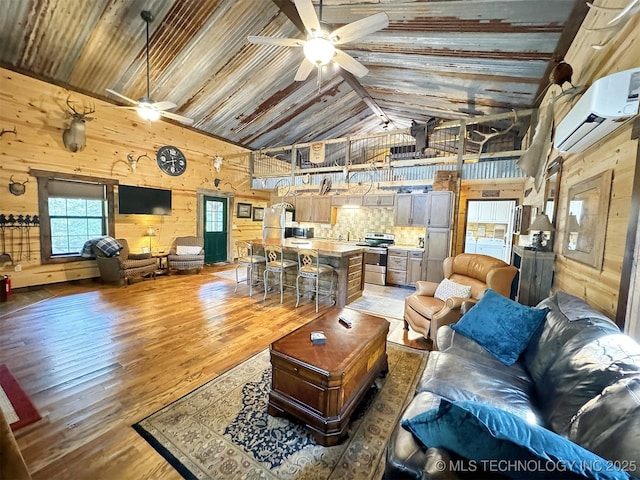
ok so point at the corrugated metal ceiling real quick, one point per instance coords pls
(444, 59)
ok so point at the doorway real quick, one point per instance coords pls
(215, 229)
(489, 228)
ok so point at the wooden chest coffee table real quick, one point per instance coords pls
(322, 384)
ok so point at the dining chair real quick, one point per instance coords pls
(309, 266)
(276, 263)
(247, 259)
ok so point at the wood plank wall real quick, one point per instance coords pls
(37, 110)
(617, 151)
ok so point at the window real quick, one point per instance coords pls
(73, 209)
(214, 217)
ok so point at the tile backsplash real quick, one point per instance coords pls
(354, 223)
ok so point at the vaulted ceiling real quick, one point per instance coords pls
(436, 59)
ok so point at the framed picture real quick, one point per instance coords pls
(258, 214)
(244, 210)
(586, 220)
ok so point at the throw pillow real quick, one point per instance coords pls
(447, 289)
(109, 246)
(188, 250)
(503, 327)
(502, 443)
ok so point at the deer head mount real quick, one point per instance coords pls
(74, 137)
(17, 188)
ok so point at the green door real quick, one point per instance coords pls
(215, 229)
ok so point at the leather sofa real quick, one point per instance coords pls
(425, 314)
(578, 376)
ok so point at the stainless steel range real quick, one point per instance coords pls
(375, 257)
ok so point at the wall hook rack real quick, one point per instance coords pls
(14, 231)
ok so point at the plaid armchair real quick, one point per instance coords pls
(187, 253)
(124, 265)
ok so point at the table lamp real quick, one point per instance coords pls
(541, 224)
(151, 232)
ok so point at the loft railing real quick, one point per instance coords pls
(479, 148)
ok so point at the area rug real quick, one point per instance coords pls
(379, 300)
(231, 274)
(223, 430)
(14, 402)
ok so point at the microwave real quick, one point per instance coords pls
(299, 232)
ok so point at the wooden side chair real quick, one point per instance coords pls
(247, 259)
(309, 266)
(276, 263)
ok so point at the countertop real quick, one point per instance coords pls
(410, 248)
(327, 248)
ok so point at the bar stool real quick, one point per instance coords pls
(276, 263)
(246, 259)
(309, 266)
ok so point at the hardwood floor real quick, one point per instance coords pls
(95, 359)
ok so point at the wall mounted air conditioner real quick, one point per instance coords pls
(607, 103)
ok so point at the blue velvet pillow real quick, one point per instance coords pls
(503, 327)
(500, 442)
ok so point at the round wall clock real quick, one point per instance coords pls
(171, 160)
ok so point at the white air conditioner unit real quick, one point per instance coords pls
(607, 103)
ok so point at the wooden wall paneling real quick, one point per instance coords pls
(599, 288)
(628, 307)
(37, 110)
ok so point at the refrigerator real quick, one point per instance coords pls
(273, 224)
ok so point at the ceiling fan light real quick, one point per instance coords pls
(149, 113)
(319, 51)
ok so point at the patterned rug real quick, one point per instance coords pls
(14, 402)
(222, 429)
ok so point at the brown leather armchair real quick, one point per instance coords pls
(425, 314)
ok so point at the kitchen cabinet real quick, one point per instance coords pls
(534, 279)
(315, 209)
(437, 248)
(404, 267)
(378, 200)
(437, 244)
(489, 212)
(341, 200)
(411, 210)
(397, 266)
(414, 267)
(439, 206)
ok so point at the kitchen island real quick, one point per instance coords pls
(345, 258)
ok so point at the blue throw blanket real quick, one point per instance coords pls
(106, 244)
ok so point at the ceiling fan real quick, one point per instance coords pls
(320, 46)
(147, 108)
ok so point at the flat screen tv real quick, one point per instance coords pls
(143, 201)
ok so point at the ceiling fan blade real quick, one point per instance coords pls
(119, 95)
(178, 118)
(164, 105)
(308, 15)
(283, 42)
(306, 67)
(359, 28)
(350, 64)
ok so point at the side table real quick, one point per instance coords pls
(163, 265)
